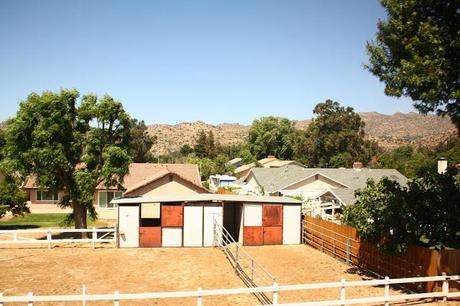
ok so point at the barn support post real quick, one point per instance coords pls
(387, 290)
(342, 291)
(199, 301)
(275, 293)
(445, 287)
(30, 303)
(49, 238)
(348, 251)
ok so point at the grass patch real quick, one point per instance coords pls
(42, 220)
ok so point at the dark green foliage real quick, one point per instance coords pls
(12, 198)
(413, 162)
(272, 136)
(141, 142)
(416, 54)
(185, 150)
(335, 138)
(426, 212)
(205, 145)
(70, 147)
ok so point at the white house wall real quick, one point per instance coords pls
(291, 224)
(193, 226)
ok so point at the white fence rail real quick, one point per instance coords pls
(48, 236)
(116, 297)
(247, 268)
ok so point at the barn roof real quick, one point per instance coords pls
(205, 197)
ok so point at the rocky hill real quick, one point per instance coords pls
(388, 130)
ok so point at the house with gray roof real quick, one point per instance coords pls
(334, 186)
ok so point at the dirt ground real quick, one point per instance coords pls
(105, 270)
(63, 270)
(299, 264)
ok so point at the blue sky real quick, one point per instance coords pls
(215, 61)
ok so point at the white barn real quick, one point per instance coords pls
(188, 221)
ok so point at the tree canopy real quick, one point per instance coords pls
(426, 212)
(272, 136)
(70, 147)
(141, 142)
(416, 54)
(335, 138)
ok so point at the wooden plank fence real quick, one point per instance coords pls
(445, 294)
(342, 242)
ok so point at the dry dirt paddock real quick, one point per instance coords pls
(297, 264)
(63, 270)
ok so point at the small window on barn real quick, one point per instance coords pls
(150, 214)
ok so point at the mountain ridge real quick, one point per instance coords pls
(390, 131)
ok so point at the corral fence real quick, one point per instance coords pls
(343, 243)
(251, 272)
(58, 236)
(276, 290)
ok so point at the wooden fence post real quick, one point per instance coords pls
(49, 238)
(30, 303)
(342, 291)
(199, 301)
(445, 286)
(275, 293)
(116, 301)
(94, 237)
(83, 301)
(387, 290)
(348, 251)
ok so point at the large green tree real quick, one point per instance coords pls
(272, 136)
(416, 54)
(426, 212)
(70, 146)
(335, 138)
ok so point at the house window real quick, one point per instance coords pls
(46, 195)
(106, 196)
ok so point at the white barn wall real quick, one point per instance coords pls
(252, 214)
(129, 226)
(171, 237)
(193, 226)
(291, 224)
(211, 213)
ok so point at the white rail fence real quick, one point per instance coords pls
(246, 267)
(199, 294)
(56, 235)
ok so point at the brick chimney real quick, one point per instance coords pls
(357, 166)
(442, 165)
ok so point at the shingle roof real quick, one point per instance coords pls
(141, 174)
(268, 162)
(275, 179)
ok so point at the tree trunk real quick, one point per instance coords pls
(79, 217)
